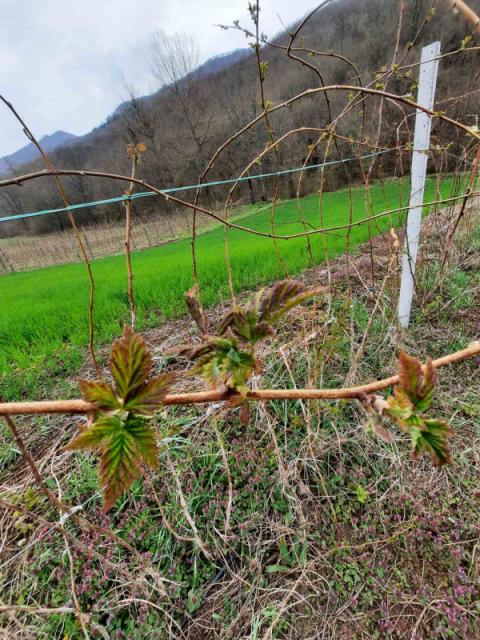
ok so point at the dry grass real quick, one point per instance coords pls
(102, 239)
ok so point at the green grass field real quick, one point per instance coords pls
(44, 313)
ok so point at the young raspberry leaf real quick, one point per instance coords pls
(399, 406)
(424, 402)
(244, 325)
(149, 397)
(375, 425)
(253, 323)
(432, 439)
(143, 434)
(124, 445)
(94, 436)
(221, 361)
(410, 375)
(100, 393)
(130, 363)
(238, 321)
(192, 299)
(417, 383)
(282, 297)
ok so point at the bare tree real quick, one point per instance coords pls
(174, 64)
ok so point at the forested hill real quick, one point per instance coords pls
(195, 110)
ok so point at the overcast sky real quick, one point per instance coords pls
(64, 63)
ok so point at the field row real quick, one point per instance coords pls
(44, 318)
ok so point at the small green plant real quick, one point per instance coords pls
(229, 358)
(408, 408)
(121, 429)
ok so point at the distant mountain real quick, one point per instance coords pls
(29, 151)
(221, 62)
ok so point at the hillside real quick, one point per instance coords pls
(185, 122)
(216, 420)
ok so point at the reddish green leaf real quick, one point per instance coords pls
(119, 468)
(100, 393)
(377, 426)
(130, 363)
(145, 440)
(149, 397)
(244, 325)
(124, 445)
(192, 298)
(399, 405)
(284, 296)
(253, 323)
(96, 435)
(221, 361)
(410, 375)
(121, 458)
(428, 386)
(433, 439)
(418, 384)
(239, 321)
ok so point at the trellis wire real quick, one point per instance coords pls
(191, 187)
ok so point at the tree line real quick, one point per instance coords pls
(193, 112)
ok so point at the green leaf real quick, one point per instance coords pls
(96, 435)
(149, 397)
(124, 445)
(100, 393)
(276, 568)
(283, 548)
(433, 439)
(399, 405)
(361, 493)
(130, 363)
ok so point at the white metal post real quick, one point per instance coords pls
(421, 143)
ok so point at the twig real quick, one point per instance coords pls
(185, 510)
(469, 15)
(228, 473)
(220, 395)
(75, 228)
(128, 235)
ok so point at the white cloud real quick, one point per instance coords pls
(63, 62)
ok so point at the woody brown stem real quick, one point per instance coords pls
(469, 15)
(73, 223)
(221, 395)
